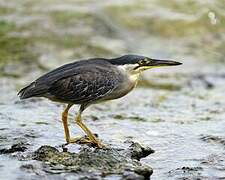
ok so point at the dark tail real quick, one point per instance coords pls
(31, 91)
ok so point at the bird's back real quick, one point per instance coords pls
(78, 82)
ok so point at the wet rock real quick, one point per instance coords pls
(132, 118)
(213, 139)
(207, 84)
(90, 162)
(137, 151)
(201, 80)
(216, 161)
(187, 173)
(19, 147)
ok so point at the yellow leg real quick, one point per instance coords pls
(87, 131)
(65, 123)
(66, 129)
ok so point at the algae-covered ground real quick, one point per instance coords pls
(178, 111)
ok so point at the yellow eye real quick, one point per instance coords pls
(143, 62)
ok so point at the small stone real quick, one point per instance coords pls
(137, 151)
(19, 147)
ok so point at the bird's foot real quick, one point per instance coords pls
(86, 140)
(99, 145)
(80, 140)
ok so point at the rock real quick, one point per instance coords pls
(137, 151)
(187, 173)
(213, 139)
(19, 147)
(90, 162)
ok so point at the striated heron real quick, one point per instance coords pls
(89, 82)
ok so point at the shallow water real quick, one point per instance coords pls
(179, 112)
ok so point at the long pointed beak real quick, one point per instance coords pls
(157, 62)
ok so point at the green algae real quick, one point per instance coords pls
(6, 10)
(184, 25)
(197, 26)
(14, 48)
(185, 6)
(6, 26)
(79, 44)
(70, 17)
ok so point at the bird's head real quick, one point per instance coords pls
(137, 64)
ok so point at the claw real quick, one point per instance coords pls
(85, 140)
(100, 146)
(80, 140)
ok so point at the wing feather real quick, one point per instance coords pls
(86, 85)
(63, 74)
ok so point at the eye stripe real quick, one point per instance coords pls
(137, 67)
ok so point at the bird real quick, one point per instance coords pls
(90, 81)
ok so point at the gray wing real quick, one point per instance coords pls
(63, 74)
(87, 84)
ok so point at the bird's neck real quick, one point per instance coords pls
(133, 75)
